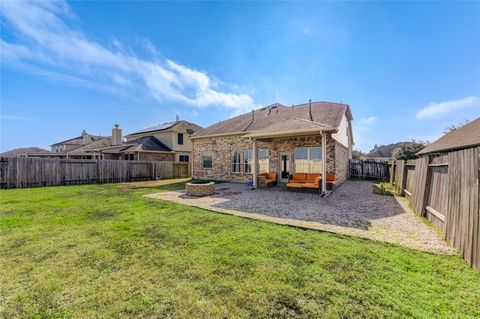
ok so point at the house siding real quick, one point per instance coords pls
(341, 162)
(222, 148)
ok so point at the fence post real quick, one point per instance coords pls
(392, 172)
(403, 183)
(363, 169)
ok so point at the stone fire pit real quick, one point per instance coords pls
(201, 189)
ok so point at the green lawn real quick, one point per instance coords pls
(106, 251)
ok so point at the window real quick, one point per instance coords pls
(247, 161)
(207, 159)
(301, 160)
(308, 160)
(180, 138)
(236, 161)
(263, 163)
(129, 157)
(184, 158)
(315, 160)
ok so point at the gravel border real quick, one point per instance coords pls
(352, 209)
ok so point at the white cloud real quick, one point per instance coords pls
(9, 117)
(368, 121)
(46, 44)
(433, 109)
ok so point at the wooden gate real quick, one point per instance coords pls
(369, 169)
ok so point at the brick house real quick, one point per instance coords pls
(164, 142)
(315, 137)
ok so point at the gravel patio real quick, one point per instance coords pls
(352, 209)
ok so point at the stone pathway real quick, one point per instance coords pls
(352, 209)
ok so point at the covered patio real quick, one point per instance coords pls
(306, 149)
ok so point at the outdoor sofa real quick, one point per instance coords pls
(270, 179)
(309, 181)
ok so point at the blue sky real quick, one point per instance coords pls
(408, 70)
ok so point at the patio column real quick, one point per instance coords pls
(254, 163)
(324, 162)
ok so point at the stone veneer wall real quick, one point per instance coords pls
(222, 148)
(341, 162)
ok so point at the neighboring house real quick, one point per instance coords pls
(24, 152)
(382, 152)
(73, 143)
(307, 138)
(75, 148)
(164, 142)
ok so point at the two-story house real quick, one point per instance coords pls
(164, 142)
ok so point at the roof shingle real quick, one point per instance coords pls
(325, 113)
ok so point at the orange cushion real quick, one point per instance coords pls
(295, 185)
(272, 176)
(268, 181)
(310, 185)
(330, 178)
(311, 176)
(299, 176)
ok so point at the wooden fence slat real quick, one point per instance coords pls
(33, 172)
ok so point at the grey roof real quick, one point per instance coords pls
(464, 137)
(78, 140)
(25, 150)
(325, 113)
(103, 142)
(147, 143)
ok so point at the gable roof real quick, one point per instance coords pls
(164, 127)
(325, 113)
(464, 137)
(78, 140)
(103, 142)
(146, 143)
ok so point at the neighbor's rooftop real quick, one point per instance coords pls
(464, 137)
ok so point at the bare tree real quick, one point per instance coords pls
(454, 127)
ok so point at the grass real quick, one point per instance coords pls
(383, 188)
(106, 251)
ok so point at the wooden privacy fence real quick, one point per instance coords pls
(368, 169)
(445, 188)
(32, 172)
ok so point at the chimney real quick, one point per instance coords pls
(86, 139)
(310, 109)
(116, 135)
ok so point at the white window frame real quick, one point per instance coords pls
(236, 163)
(247, 161)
